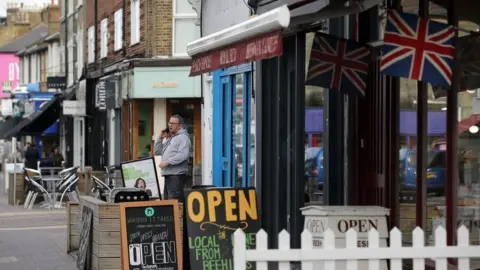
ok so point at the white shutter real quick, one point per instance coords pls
(91, 49)
(104, 38)
(135, 22)
(118, 29)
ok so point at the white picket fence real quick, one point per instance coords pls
(307, 255)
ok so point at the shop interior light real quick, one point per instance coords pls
(275, 19)
(471, 91)
(473, 129)
(444, 108)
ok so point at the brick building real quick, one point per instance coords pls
(137, 75)
(19, 21)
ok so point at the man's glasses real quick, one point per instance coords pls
(170, 123)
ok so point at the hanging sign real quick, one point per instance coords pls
(150, 233)
(212, 216)
(101, 96)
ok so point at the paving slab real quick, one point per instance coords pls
(32, 240)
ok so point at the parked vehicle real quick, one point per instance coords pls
(436, 169)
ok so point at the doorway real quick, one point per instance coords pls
(190, 111)
(233, 128)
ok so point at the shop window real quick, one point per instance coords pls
(314, 104)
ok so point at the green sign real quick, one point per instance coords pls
(149, 212)
(7, 86)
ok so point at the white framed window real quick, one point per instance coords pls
(134, 22)
(91, 45)
(104, 38)
(184, 28)
(118, 25)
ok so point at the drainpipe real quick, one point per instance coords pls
(95, 27)
(124, 31)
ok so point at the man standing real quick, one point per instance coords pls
(31, 157)
(175, 152)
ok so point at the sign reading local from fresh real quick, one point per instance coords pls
(150, 234)
(212, 216)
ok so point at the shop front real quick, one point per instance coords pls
(155, 92)
(361, 131)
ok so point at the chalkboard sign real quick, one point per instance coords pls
(212, 216)
(150, 233)
(84, 252)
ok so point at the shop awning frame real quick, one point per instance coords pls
(258, 38)
(32, 125)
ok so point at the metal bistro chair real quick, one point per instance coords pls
(36, 189)
(27, 180)
(71, 190)
(68, 184)
(100, 189)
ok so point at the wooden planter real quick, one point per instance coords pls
(16, 195)
(73, 220)
(105, 246)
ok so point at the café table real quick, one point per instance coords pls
(52, 182)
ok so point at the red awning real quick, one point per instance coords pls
(257, 48)
(466, 123)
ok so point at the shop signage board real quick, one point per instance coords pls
(339, 219)
(212, 216)
(150, 235)
(74, 107)
(257, 48)
(57, 82)
(101, 96)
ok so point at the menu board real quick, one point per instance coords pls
(150, 233)
(212, 216)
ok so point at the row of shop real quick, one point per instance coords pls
(128, 104)
(110, 118)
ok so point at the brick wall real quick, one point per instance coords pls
(107, 9)
(159, 28)
(155, 30)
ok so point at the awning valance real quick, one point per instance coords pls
(255, 39)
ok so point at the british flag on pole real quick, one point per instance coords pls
(418, 48)
(338, 64)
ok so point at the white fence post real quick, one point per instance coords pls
(307, 244)
(239, 249)
(463, 242)
(352, 244)
(419, 242)
(441, 241)
(284, 244)
(262, 245)
(396, 242)
(376, 255)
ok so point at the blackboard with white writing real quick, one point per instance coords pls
(212, 216)
(150, 235)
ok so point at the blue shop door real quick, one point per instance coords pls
(232, 163)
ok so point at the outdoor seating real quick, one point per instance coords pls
(100, 188)
(35, 189)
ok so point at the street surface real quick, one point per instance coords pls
(32, 240)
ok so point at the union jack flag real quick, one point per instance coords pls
(338, 64)
(418, 48)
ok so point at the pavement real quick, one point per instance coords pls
(32, 239)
